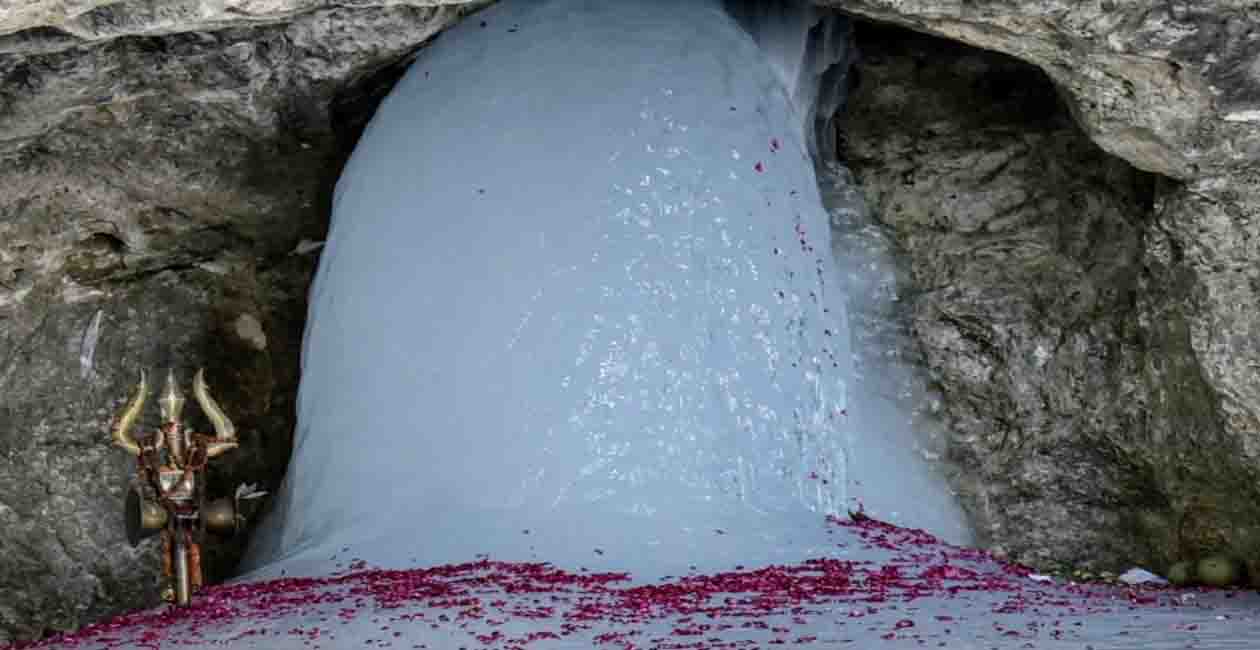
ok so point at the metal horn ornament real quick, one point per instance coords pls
(122, 426)
(168, 492)
(224, 430)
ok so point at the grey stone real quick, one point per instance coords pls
(1170, 87)
(156, 188)
(1088, 325)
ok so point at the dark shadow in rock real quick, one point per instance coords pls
(1022, 252)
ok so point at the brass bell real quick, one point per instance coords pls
(220, 516)
(144, 518)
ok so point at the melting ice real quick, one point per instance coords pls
(579, 283)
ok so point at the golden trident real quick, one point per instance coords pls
(169, 491)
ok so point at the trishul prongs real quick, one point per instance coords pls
(224, 430)
(122, 426)
(172, 403)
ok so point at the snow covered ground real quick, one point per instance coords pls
(578, 374)
(879, 587)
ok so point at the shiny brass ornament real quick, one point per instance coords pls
(144, 518)
(168, 494)
(220, 516)
(122, 426)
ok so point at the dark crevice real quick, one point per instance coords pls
(38, 39)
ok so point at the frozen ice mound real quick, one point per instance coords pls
(578, 281)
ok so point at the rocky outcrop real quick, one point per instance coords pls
(1166, 464)
(166, 182)
(1022, 243)
(1168, 470)
(1173, 89)
(1090, 327)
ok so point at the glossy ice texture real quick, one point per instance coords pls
(579, 282)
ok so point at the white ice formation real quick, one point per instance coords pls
(578, 304)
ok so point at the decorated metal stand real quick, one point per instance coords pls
(167, 495)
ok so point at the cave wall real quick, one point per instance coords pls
(164, 196)
(166, 167)
(1088, 324)
(1022, 247)
(1174, 90)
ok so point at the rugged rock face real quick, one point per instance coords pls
(1022, 242)
(162, 193)
(1091, 328)
(1170, 465)
(1087, 324)
(1171, 88)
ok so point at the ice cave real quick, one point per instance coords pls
(598, 304)
(578, 321)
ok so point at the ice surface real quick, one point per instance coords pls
(894, 395)
(811, 50)
(579, 281)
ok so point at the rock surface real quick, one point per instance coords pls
(1139, 442)
(1086, 323)
(1090, 327)
(162, 193)
(1173, 89)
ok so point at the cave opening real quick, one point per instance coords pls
(1006, 319)
(949, 147)
(952, 150)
